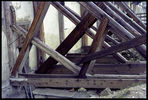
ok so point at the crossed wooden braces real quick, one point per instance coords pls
(133, 33)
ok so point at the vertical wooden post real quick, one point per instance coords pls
(61, 25)
(40, 54)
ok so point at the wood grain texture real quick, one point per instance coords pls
(57, 56)
(99, 13)
(69, 42)
(122, 46)
(33, 29)
(75, 82)
(94, 46)
(125, 7)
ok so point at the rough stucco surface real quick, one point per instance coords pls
(5, 65)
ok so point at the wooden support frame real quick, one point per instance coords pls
(94, 47)
(122, 46)
(120, 20)
(75, 82)
(123, 69)
(76, 19)
(68, 43)
(126, 18)
(125, 7)
(67, 13)
(98, 13)
(37, 42)
(34, 28)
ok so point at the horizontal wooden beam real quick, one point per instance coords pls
(57, 56)
(117, 48)
(125, 69)
(75, 82)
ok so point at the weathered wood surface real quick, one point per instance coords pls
(34, 28)
(120, 20)
(40, 54)
(95, 44)
(75, 82)
(99, 13)
(126, 18)
(118, 56)
(125, 7)
(125, 69)
(84, 37)
(68, 43)
(123, 46)
(61, 25)
(67, 63)
(75, 19)
(99, 76)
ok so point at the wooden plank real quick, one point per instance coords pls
(94, 47)
(125, 7)
(69, 42)
(123, 46)
(34, 28)
(124, 69)
(99, 13)
(57, 56)
(99, 76)
(126, 18)
(75, 82)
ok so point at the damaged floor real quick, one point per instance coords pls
(137, 91)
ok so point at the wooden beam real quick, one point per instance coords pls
(99, 13)
(120, 20)
(99, 76)
(94, 47)
(61, 25)
(75, 82)
(57, 56)
(40, 54)
(126, 18)
(118, 56)
(34, 28)
(69, 42)
(124, 69)
(123, 46)
(84, 37)
(125, 7)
